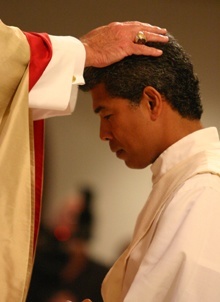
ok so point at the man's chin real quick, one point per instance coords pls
(135, 165)
(132, 165)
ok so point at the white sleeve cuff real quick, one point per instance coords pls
(55, 92)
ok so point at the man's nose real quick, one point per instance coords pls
(105, 132)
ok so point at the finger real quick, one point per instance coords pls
(87, 300)
(154, 29)
(146, 27)
(152, 37)
(146, 51)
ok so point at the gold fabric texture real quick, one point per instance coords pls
(16, 164)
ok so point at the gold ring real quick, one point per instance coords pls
(140, 38)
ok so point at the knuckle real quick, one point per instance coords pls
(112, 24)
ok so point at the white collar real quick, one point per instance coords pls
(182, 149)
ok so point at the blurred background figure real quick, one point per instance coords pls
(63, 269)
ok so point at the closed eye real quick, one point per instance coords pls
(107, 117)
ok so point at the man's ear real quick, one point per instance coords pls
(153, 100)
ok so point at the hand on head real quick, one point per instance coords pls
(108, 44)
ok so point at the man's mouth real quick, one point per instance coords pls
(119, 153)
(117, 150)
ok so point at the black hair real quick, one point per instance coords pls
(171, 75)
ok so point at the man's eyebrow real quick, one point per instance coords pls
(98, 109)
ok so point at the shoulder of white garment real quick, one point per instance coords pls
(184, 255)
(52, 95)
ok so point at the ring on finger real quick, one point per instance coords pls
(140, 38)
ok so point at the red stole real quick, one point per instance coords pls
(41, 53)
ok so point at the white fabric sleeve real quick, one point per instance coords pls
(55, 93)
